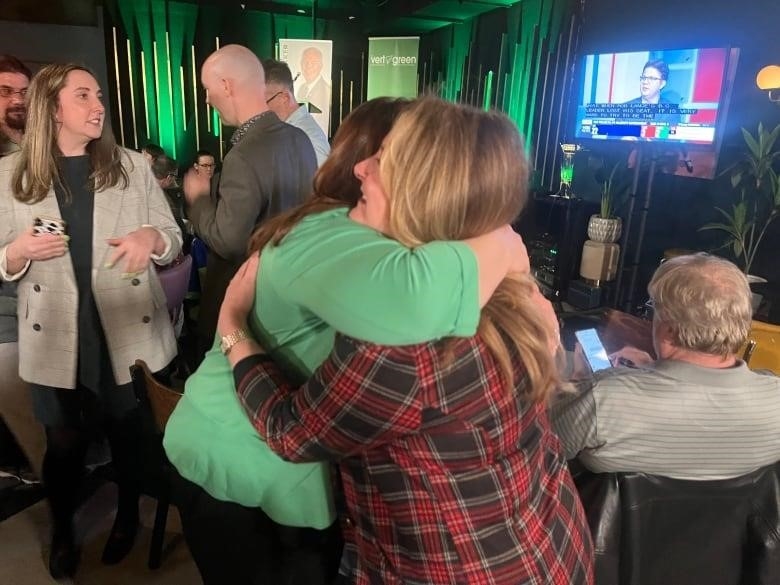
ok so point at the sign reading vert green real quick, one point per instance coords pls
(392, 66)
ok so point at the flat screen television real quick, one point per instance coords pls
(677, 96)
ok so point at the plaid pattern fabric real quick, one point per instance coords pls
(449, 478)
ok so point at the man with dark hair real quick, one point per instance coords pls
(15, 398)
(152, 151)
(164, 169)
(280, 97)
(14, 79)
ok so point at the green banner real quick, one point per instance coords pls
(392, 66)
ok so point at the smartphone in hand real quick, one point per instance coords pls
(593, 348)
(49, 225)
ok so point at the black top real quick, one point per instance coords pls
(77, 209)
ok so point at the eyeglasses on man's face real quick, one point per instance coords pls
(7, 91)
(273, 97)
(649, 78)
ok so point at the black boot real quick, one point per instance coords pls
(62, 472)
(64, 556)
(123, 533)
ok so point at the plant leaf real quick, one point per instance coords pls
(753, 145)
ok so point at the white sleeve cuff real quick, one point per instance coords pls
(4, 267)
(161, 258)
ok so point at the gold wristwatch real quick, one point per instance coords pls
(231, 339)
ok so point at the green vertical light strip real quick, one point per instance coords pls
(532, 26)
(455, 50)
(195, 108)
(215, 122)
(182, 20)
(182, 102)
(169, 82)
(136, 18)
(166, 123)
(131, 78)
(145, 88)
(488, 96)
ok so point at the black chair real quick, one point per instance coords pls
(157, 402)
(651, 530)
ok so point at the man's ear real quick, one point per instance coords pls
(227, 86)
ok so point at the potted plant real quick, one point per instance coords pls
(606, 226)
(755, 178)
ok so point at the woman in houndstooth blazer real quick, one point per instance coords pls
(90, 302)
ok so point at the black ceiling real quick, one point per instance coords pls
(372, 16)
(377, 16)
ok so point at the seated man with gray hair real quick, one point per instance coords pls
(697, 412)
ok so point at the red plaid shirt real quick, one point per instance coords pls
(448, 478)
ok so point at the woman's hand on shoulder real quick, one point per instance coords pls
(136, 248)
(29, 246)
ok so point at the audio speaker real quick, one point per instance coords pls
(599, 261)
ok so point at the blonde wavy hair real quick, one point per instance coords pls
(37, 170)
(705, 301)
(452, 172)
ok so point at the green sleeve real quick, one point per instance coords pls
(370, 287)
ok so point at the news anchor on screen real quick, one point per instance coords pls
(655, 73)
(653, 80)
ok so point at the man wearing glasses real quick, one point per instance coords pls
(14, 79)
(15, 399)
(280, 97)
(696, 412)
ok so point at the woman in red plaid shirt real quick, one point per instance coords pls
(451, 472)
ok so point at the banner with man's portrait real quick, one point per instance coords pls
(311, 63)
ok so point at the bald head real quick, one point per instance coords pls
(235, 83)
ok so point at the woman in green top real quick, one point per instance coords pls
(332, 273)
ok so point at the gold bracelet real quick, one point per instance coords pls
(231, 339)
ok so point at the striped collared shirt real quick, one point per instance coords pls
(674, 419)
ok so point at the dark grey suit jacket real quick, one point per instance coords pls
(268, 171)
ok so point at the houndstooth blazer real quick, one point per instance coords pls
(133, 311)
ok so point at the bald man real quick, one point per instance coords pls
(268, 169)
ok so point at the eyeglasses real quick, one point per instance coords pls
(273, 97)
(647, 310)
(6, 91)
(648, 78)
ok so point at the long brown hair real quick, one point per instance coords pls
(452, 172)
(37, 170)
(335, 185)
